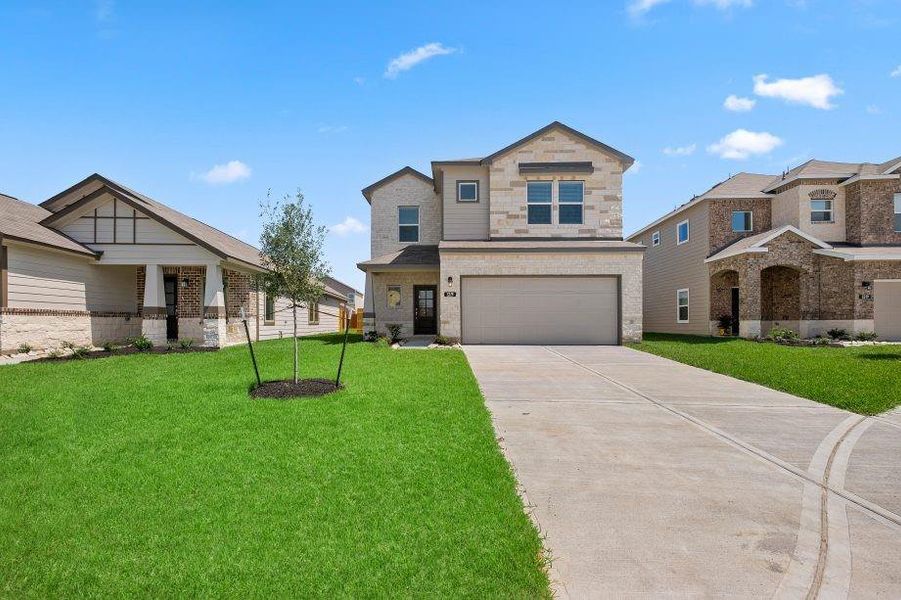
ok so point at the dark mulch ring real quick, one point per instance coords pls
(289, 389)
(124, 351)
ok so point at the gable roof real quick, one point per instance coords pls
(758, 242)
(218, 242)
(827, 169)
(367, 191)
(625, 158)
(21, 221)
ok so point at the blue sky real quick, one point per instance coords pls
(205, 106)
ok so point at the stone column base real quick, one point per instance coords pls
(154, 330)
(215, 333)
(749, 329)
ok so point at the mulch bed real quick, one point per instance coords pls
(123, 352)
(289, 389)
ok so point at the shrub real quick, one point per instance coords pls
(55, 353)
(141, 343)
(725, 322)
(394, 331)
(108, 347)
(783, 335)
(444, 340)
(80, 352)
(186, 344)
(371, 336)
(24, 348)
(866, 336)
(838, 334)
(170, 346)
(68, 345)
(820, 341)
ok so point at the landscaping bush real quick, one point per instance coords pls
(109, 347)
(443, 340)
(55, 353)
(371, 336)
(394, 331)
(24, 348)
(186, 344)
(820, 341)
(866, 336)
(68, 345)
(80, 352)
(783, 335)
(838, 334)
(724, 322)
(141, 343)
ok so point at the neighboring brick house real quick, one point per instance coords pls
(814, 249)
(521, 246)
(99, 263)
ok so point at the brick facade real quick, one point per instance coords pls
(720, 220)
(870, 212)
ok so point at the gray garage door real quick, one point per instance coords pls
(540, 310)
(887, 310)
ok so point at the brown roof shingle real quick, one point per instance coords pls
(21, 221)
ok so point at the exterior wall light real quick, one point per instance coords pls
(450, 281)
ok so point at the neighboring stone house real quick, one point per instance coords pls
(814, 249)
(521, 246)
(99, 263)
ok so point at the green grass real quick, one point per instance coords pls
(159, 476)
(864, 379)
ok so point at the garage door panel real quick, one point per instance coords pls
(887, 310)
(540, 310)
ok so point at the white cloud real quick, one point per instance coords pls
(638, 8)
(874, 110)
(739, 104)
(103, 9)
(230, 172)
(332, 128)
(680, 150)
(896, 72)
(408, 60)
(360, 80)
(815, 91)
(741, 143)
(725, 4)
(348, 226)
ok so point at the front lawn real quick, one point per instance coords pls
(864, 379)
(158, 476)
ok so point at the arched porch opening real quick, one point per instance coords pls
(724, 298)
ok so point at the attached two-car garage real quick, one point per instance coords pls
(540, 310)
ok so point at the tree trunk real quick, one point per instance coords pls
(295, 342)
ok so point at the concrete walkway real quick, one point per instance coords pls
(652, 478)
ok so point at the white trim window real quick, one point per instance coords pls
(313, 313)
(682, 306)
(682, 232)
(898, 212)
(570, 197)
(742, 221)
(467, 191)
(655, 238)
(393, 296)
(821, 211)
(408, 224)
(539, 195)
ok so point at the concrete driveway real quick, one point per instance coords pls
(652, 478)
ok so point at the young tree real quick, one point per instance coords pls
(291, 250)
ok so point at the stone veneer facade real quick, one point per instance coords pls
(870, 212)
(603, 199)
(720, 216)
(408, 190)
(403, 315)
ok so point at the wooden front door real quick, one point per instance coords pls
(425, 313)
(170, 287)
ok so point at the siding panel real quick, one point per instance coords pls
(465, 220)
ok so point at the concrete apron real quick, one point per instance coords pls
(650, 477)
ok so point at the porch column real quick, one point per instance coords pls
(153, 324)
(368, 305)
(749, 302)
(214, 329)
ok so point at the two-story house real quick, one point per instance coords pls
(813, 249)
(523, 246)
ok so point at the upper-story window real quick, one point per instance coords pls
(538, 197)
(467, 191)
(742, 221)
(897, 212)
(408, 223)
(682, 232)
(655, 238)
(821, 211)
(570, 195)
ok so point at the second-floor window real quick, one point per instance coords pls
(408, 223)
(898, 212)
(467, 191)
(655, 238)
(821, 211)
(538, 197)
(742, 221)
(682, 231)
(570, 196)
